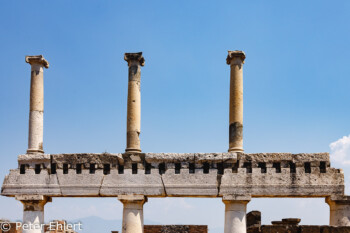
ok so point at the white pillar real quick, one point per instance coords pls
(132, 213)
(339, 212)
(33, 213)
(36, 114)
(235, 215)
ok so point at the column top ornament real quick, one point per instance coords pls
(134, 57)
(37, 59)
(132, 198)
(235, 54)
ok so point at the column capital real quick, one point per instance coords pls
(342, 200)
(235, 55)
(236, 198)
(134, 57)
(33, 202)
(38, 60)
(141, 199)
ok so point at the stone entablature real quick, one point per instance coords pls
(175, 175)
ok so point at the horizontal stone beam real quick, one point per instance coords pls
(176, 175)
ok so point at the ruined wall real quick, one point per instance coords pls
(287, 225)
(298, 229)
(176, 229)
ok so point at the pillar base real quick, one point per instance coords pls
(132, 150)
(35, 151)
(235, 149)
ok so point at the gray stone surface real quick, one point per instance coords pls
(172, 174)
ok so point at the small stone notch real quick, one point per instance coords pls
(120, 169)
(53, 168)
(262, 166)
(292, 167)
(65, 168)
(37, 168)
(248, 167)
(277, 166)
(79, 168)
(106, 169)
(92, 168)
(161, 168)
(148, 168)
(220, 167)
(235, 167)
(191, 168)
(323, 167)
(177, 168)
(206, 167)
(22, 169)
(307, 166)
(134, 168)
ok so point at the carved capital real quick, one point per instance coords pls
(132, 199)
(236, 198)
(235, 57)
(33, 202)
(338, 200)
(134, 57)
(38, 60)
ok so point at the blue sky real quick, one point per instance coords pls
(296, 87)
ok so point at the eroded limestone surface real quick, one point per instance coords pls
(172, 174)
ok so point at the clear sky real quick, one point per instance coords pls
(296, 88)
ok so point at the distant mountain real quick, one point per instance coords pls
(216, 230)
(98, 225)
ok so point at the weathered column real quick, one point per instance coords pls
(132, 213)
(235, 214)
(135, 61)
(33, 212)
(339, 212)
(36, 114)
(236, 60)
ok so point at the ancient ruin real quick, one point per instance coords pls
(290, 225)
(134, 176)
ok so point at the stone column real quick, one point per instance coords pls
(235, 214)
(132, 213)
(236, 60)
(33, 212)
(339, 211)
(135, 61)
(36, 114)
